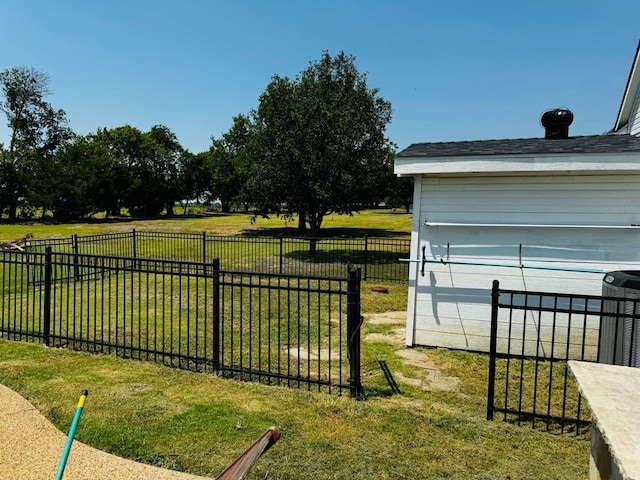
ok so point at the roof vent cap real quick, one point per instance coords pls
(556, 123)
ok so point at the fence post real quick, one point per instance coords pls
(204, 247)
(312, 248)
(47, 296)
(366, 256)
(74, 248)
(281, 254)
(134, 242)
(216, 316)
(354, 322)
(495, 298)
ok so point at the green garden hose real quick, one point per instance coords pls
(72, 432)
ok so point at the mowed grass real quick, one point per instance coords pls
(434, 429)
(199, 423)
(372, 222)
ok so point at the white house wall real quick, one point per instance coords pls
(413, 270)
(452, 302)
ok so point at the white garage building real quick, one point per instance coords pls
(537, 214)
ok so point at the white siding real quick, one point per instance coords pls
(452, 304)
(413, 267)
(634, 118)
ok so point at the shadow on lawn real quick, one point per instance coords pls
(343, 256)
(337, 232)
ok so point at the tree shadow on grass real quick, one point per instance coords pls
(358, 257)
(337, 232)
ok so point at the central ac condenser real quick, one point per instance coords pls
(619, 342)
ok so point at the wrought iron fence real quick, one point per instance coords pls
(276, 329)
(533, 335)
(377, 257)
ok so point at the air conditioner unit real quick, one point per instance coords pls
(619, 342)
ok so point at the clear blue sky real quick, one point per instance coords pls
(462, 70)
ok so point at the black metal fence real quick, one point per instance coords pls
(533, 335)
(376, 256)
(276, 329)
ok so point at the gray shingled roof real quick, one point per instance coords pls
(526, 146)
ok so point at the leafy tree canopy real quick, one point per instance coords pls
(143, 168)
(38, 131)
(229, 163)
(320, 141)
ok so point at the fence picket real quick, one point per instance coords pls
(377, 256)
(552, 329)
(277, 329)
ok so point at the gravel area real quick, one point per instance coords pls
(31, 447)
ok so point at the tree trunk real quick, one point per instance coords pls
(312, 249)
(302, 223)
(13, 210)
(315, 221)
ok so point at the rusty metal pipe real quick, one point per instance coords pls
(242, 465)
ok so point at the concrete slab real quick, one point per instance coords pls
(612, 393)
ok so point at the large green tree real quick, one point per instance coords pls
(221, 172)
(169, 156)
(5, 179)
(229, 163)
(195, 177)
(82, 179)
(400, 193)
(37, 132)
(320, 141)
(60, 185)
(143, 168)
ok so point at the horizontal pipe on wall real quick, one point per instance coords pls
(527, 225)
(508, 265)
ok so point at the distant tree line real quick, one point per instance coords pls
(313, 146)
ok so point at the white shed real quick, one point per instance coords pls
(537, 214)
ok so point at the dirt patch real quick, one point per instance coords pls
(427, 372)
(432, 381)
(396, 337)
(386, 318)
(322, 354)
(415, 382)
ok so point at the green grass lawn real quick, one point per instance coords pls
(371, 222)
(199, 423)
(435, 428)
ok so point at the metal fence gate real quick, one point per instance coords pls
(533, 335)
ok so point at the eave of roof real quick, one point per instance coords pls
(630, 92)
(591, 144)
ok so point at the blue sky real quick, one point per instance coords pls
(464, 70)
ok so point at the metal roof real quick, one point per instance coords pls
(526, 146)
